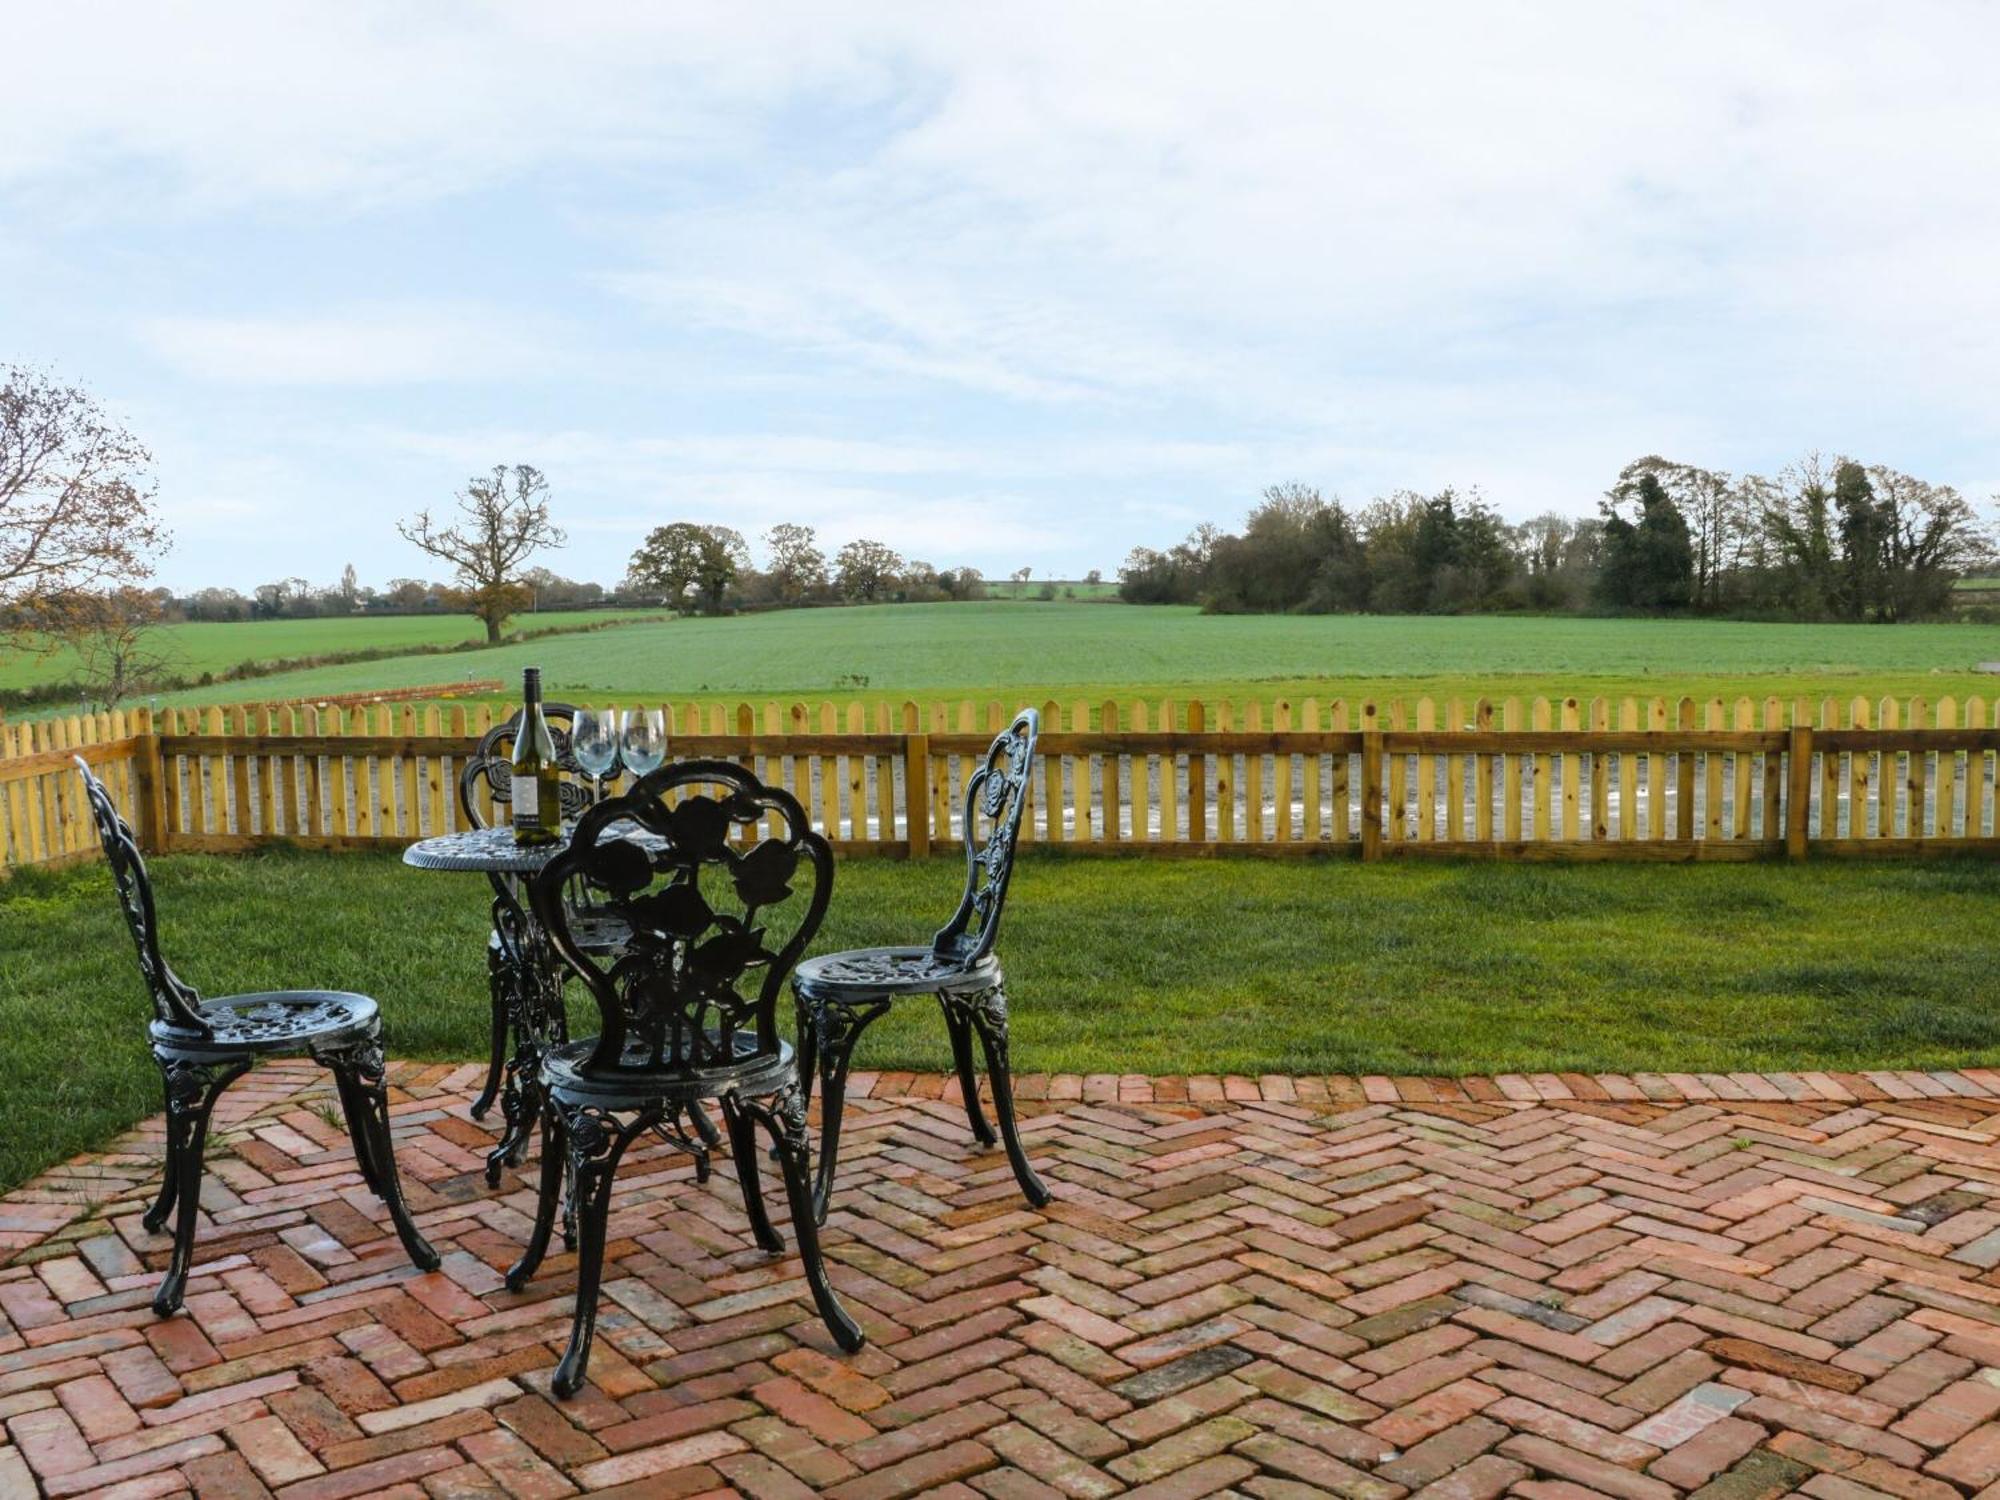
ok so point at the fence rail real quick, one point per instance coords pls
(1651, 780)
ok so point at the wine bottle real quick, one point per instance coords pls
(536, 779)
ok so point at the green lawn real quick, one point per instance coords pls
(193, 649)
(1079, 651)
(1123, 965)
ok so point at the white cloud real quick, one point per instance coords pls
(365, 347)
(1074, 270)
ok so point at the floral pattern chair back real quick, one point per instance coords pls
(175, 1002)
(995, 798)
(717, 923)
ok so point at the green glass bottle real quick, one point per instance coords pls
(536, 778)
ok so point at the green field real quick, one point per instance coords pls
(1115, 965)
(192, 649)
(1077, 651)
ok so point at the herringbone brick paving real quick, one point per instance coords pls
(1733, 1287)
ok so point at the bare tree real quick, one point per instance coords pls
(76, 501)
(112, 634)
(504, 520)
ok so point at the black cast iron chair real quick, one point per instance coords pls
(202, 1046)
(688, 1009)
(841, 994)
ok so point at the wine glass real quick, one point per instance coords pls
(594, 741)
(642, 740)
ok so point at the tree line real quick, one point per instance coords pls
(1822, 540)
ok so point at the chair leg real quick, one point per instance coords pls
(192, 1089)
(743, 1146)
(958, 1025)
(155, 1218)
(351, 1108)
(785, 1118)
(364, 1092)
(837, 1025)
(595, 1142)
(497, 983)
(555, 1177)
(987, 1012)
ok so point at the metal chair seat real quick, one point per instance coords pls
(272, 1021)
(639, 1080)
(866, 973)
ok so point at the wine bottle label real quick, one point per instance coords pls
(527, 799)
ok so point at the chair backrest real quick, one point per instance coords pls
(175, 1003)
(489, 765)
(995, 797)
(697, 984)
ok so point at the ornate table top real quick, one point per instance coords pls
(493, 850)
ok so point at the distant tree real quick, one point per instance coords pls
(553, 591)
(864, 570)
(962, 583)
(350, 589)
(1796, 514)
(1177, 576)
(503, 521)
(1648, 561)
(1291, 555)
(1094, 576)
(76, 500)
(1559, 555)
(1020, 576)
(408, 593)
(798, 567)
(1720, 522)
(114, 638)
(216, 604)
(691, 565)
(1929, 537)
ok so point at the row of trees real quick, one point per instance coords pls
(1840, 540)
(703, 569)
(301, 599)
(1820, 541)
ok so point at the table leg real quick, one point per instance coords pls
(538, 1023)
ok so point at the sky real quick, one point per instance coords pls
(1010, 285)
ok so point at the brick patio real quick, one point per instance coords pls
(1551, 1286)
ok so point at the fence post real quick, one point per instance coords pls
(1798, 797)
(1371, 794)
(147, 775)
(917, 792)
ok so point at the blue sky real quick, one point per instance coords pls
(1014, 286)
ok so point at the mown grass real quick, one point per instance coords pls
(1116, 965)
(1089, 652)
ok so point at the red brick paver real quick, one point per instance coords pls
(1544, 1286)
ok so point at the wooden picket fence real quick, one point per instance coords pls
(1656, 779)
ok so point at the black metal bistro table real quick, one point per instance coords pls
(539, 1021)
(536, 998)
